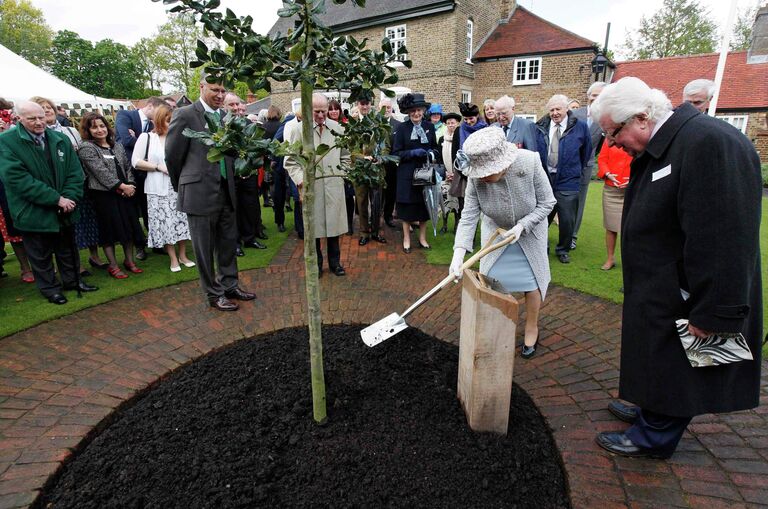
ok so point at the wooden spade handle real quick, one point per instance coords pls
(487, 248)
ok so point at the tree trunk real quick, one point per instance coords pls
(311, 279)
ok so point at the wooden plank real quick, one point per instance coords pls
(486, 354)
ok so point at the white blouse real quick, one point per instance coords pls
(157, 182)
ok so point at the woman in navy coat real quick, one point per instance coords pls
(413, 141)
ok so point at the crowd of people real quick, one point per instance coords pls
(682, 188)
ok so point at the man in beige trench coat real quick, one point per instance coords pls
(330, 207)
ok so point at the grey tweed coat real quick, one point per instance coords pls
(523, 196)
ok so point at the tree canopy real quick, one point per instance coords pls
(742, 29)
(23, 30)
(680, 27)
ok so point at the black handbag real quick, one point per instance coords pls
(425, 175)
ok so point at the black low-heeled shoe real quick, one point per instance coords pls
(406, 250)
(422, 246)
(95, 265)
(528, 351)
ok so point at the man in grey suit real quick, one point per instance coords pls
(596, 134)
(207, 194)
(518, 130)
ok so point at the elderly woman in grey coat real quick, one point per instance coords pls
(509, 187)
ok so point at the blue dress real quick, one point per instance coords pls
(512, 271)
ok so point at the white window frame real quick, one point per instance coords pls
(526, 116)
(528, 63)
(397, 41)
(470, 32)
(735, 119)
(466, 96)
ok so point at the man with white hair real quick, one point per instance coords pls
(518, 130)
(44, 183)
(596, 136)
(699, 93)
(690, 249)
(330, 214)
(565, 148)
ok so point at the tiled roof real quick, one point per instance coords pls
(346, 16)
(527, 34)
(744, 85)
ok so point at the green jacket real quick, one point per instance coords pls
(33, 191)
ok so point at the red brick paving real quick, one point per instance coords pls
(59, 380)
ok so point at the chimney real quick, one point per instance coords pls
(758, 49)
(507, 7)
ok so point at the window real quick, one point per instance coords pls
(737, 121)
(527, 71)
(396, 36)
(470, 25)
(466, 96)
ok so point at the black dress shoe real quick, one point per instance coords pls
(239, 251)
(618, 443)
(141, 255)
(363, 241)
(83, 286)
(95, 265)
(390, 222)
(339, 271)
(255, 244)
(239, 294)
(623, 412)
(159, 250)
(407, 250)
(424, 246)
(281, 228)
(262, 236)
(564, 258)
(573, 244)
(57, 298)
(224, 304)
(380, 239)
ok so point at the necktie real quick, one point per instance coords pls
(222, 165)
(147, 126)
(506, 130)
(554, 148)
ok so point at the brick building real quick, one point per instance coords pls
(743, 100)
(466, 51)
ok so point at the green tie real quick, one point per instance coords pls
(222, 165)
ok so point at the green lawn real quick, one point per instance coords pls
(22, 306)
(583, 273)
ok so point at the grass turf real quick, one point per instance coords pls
(583, 273)
(22, 306)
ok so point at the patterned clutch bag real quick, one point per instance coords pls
(713, 350)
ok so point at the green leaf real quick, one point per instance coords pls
(214, 155)
(322, 149)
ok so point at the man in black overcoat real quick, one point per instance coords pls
(690, 250)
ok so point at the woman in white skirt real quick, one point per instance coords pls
(168, 227)
(508, 188)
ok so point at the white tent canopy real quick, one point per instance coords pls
(25, 80)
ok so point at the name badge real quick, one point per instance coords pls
(108, 156)
(660, 174)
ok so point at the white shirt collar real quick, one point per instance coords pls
(207, 108)
(659, 124)
(144, 118)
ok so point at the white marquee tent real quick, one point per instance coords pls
(24, 80)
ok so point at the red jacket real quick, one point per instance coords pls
(613, 160)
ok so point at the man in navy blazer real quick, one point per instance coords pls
(129, 124)
(518, 130)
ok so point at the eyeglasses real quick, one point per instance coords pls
(617, 130)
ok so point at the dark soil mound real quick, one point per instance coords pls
(235, 429)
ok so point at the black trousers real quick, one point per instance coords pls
(41, 247)
(248, 208)
(657, 431)
(334, 253)
(566, 209)
(280, 194)
(390, 191)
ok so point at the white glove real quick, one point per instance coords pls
(457, 262)
(515, 231)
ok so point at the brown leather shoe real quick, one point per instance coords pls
(239, 294)
(224, 304)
